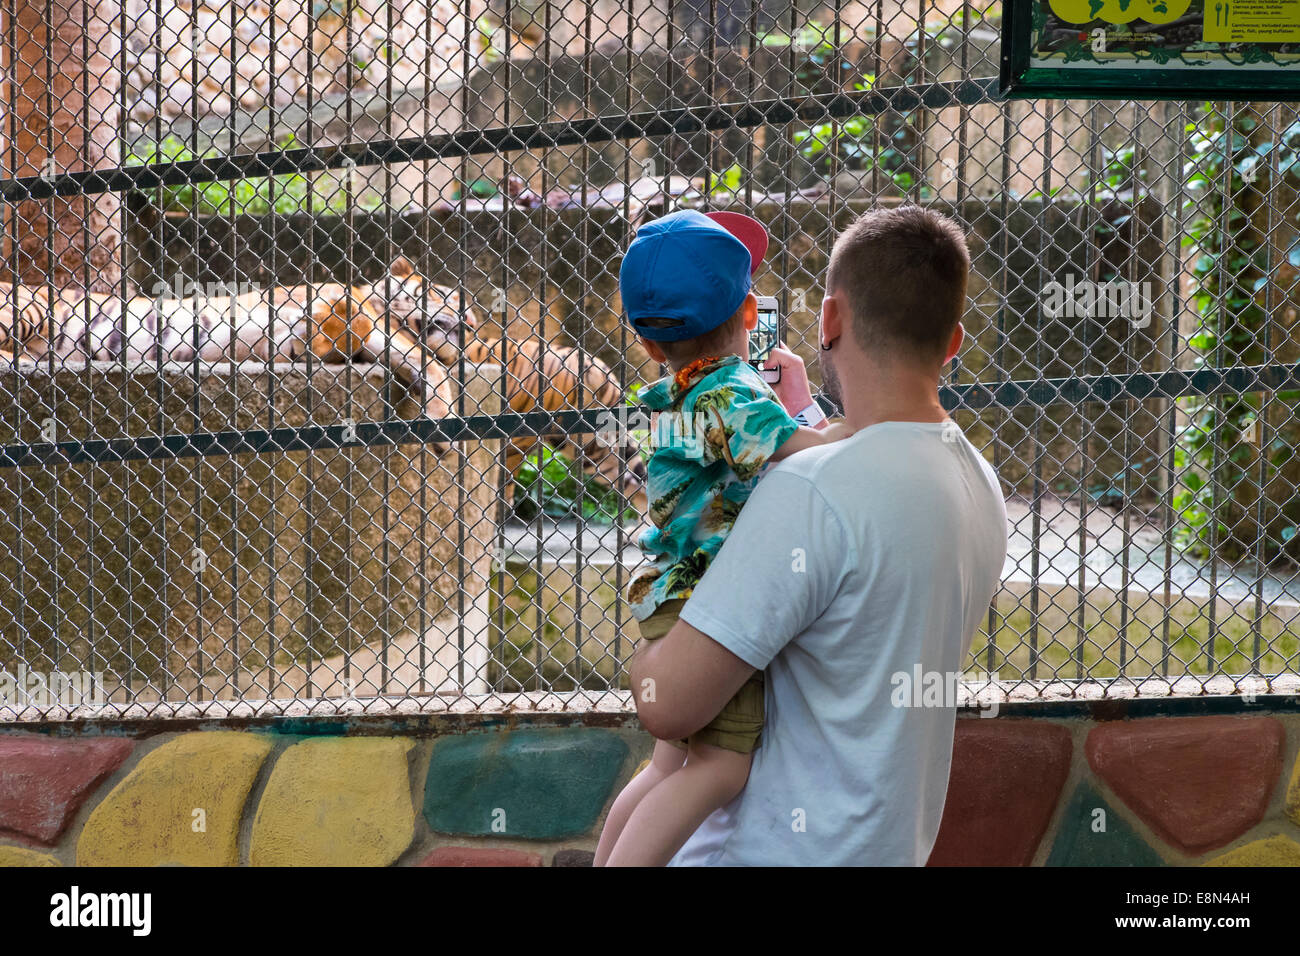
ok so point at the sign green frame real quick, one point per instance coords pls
(1107, 49)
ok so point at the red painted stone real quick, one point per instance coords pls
(1005, 781)
(1198, 782)
(475, 856)
(43, 782)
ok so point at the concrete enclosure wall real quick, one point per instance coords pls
(1027, 788)
(248, 575)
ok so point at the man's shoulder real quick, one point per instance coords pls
(889, 456)
(811, 464)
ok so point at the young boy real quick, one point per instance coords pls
(685, 283)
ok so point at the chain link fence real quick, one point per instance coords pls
(316, 396)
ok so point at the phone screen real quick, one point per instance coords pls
(765, 336)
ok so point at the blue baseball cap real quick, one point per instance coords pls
(691, 268)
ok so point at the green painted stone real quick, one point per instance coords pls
(522, 784)
(1078, 845)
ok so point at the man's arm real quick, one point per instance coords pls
(682, 681)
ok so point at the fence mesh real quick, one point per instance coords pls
(314, 382)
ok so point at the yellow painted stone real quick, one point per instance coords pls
(336, 801)
(181, 805)
(1293, 795)
(1274, 851)
(21, 856)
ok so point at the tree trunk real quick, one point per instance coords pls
(61, 115)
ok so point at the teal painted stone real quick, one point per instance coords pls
(523, 784)
(1078, 845)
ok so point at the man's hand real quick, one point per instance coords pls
(793, 389)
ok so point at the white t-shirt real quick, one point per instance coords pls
(854, 569)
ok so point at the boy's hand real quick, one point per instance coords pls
(792, 390)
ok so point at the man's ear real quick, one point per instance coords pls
(653, 350)
(831, 326)
(954, 344)
(750, 309)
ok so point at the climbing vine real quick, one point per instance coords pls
(1217, 451)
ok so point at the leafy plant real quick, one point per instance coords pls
(727, 183)
(1229, 268)
(1119, 174)
(549, 483)
(259, 195)
(486, 29)
(860, 142)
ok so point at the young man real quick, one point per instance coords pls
(852, 562)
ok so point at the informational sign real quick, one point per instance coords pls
(1152, 49)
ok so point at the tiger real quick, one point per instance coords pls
(333, 322)
(538, 376)
(411, 326)
(546, 376)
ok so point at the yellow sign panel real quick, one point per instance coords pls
(1123, 11)
(1252, 21)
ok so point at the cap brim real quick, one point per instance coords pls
(748, 230)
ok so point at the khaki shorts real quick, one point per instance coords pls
(739, 724)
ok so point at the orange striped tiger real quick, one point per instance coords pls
(380, 321)
(333, 322)
(537, 375)
(546, 376)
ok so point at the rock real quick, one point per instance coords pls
(1005, 780)
(1198, 782)
(524, 784)
(181, 804)
(336, 801)
(44, 781)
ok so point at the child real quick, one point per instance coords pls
(685, 283)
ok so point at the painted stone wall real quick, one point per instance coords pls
(532, 790)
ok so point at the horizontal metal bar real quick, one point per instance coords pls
(1041, 393)
(304, 438)
(1172, 384)
(601, 129)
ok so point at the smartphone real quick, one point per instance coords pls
(767, 335)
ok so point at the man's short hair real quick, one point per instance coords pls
(903, 273)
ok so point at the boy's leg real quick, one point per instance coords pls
(672, 810)
(665, 759)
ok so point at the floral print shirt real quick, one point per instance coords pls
(714, 430)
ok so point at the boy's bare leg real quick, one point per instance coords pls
(664, 760)
(674, 809)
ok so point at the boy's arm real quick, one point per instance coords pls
(806, 437)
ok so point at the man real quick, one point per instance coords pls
(853, 565)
